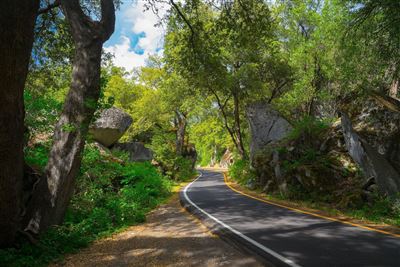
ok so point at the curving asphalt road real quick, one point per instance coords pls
(282, 237)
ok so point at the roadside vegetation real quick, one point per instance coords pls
(299, 98)
(110, 195)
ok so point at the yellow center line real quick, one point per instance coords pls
(308, 213)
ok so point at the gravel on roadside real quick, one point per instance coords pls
(170, 237)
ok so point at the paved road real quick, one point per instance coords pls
(285, 237)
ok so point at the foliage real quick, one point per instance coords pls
(208, 133)
(175, 167)
(307, 58)
(313, 32)
(376, 24)
(382, 209)
(110, 194)
(226, 63)
(43, 112)
(308, 129)
(241, 172)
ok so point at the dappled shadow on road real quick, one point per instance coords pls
(171, 237)
(305, 239)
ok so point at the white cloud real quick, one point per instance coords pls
(136, 21)
(144, 21)
(124, 56)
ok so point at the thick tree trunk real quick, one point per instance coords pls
(17, 20)
(180, 132)
(53, 194)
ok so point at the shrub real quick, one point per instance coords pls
(42, 112)
(178, 168)
(110, 194)
(241, 172)
(183, 169)
(308, 132)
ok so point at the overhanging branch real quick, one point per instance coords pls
(183, 17)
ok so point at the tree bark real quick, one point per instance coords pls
(234, 131)
(54, 192)
(394, 88)
(17, 20)
(180, 132)
(390, 103)
(238, 130)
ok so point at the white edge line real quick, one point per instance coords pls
(248, 239)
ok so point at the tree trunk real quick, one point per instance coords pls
(235, 131)
(390, 103)
(54, 192)
(316, 84)
(180, 132)
(238, 130)
(394, 88)
(17, 20)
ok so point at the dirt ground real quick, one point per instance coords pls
(170, 237)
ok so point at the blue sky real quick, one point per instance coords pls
(135, 36)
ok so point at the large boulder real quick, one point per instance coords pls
(372, 163)
(267, 126)
(380, 128)
(110, 126)
(137, 151)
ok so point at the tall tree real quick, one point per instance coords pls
(377, 24)
(53, 193)
(311, 31)
(17, 20)
(229, 52)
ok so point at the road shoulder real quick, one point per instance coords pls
(170, 237)
(381, 228)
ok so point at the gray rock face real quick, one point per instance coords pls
(110, 126)
(267, 126)
(137, 151)
(226, 160)
(380, 128)
(372, 163)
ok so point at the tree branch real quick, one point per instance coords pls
(225, 119)
(276, 90)
(391, 103)
(185, 20)
(107, 18)
(77, 18)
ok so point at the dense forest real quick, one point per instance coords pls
(299, 98)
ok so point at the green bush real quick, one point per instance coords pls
(175, 167)
(381, 209)
(110, 194)
(183, 169)
(42, 112)
(308, 131)
(241, 172)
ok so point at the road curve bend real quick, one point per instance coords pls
(283, 237)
